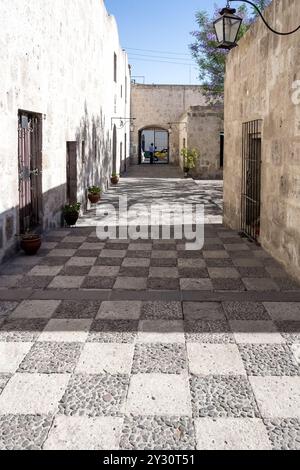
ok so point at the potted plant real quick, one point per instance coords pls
(94, 194)
(30, 243)
(114, 179)
(71, 213)
(190, 157)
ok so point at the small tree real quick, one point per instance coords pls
(210, 60)
(190, 158)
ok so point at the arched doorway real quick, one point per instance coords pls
(114, 150)
(154, 146)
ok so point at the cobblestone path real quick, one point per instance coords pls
(144, 345)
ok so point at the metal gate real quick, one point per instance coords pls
(251, 180)
(30, 170)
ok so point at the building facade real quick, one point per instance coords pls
(163, 113)
(65, 82)
(201, 128)
(262, 135)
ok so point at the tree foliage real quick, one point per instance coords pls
(210, 60)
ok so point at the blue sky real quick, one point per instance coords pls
(163, 26)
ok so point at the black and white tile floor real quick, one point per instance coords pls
(142, 345)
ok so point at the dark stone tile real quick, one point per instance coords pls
(287, 284)
(219, 263)
(35, 282)
(189, 254)
(109, 262)
(163, 263)
(163, 284)
(113, 331)
(75, 271)
(134, 271)
(53, 261)
(193, 273)
(98, 283)
(245, 311)
(138, 254)
(77, 310)
(87, 253)
(228, 284)
(253, 272)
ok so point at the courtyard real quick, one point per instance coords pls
(140, 345)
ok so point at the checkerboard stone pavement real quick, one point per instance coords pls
(143, 345)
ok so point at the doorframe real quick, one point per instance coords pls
(30, 204)
(152, 128)
(251, 179)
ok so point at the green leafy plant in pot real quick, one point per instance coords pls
(71, 213)
(190, 158)
(114, 179)
(30, 243)
(94, 194)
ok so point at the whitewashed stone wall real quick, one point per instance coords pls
(263, 82)
(57, 59)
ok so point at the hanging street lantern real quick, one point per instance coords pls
(227, 28)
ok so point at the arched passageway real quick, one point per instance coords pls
(154, 146)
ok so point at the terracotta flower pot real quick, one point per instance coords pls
(114, 180)
(94, 197)
(31, 245)
(71, 218)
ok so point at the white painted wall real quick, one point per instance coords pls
(56, 58)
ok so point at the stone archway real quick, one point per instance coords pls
(154, 137)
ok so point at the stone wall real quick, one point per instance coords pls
(200, 129)
(263, 82)
(158, 106)
(57, 60)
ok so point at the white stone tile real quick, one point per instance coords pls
(35, 309)
(136, 262)
(283, 311)
(160, 254)
(164, 273)
(66, 282)
(215, 359)
(277, 397)
(70, 239)
(296, 351)
(113, 253)
(161, 331)
(255, 332)
(231, 434)
(78, 261)
(191, 263)
(140, 247)
(159, 394)
(131, 283)
(45, 271)
(110, 358)
(66, 330)
(220, 254)
(81, 433)
(33, 393)
(207, 311)
(104, 271)
(196, 284)
(9, 281)
(120, 310)
(61, 253)
(11, 356)
(92, 246)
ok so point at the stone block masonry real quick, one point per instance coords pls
(262, 83)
